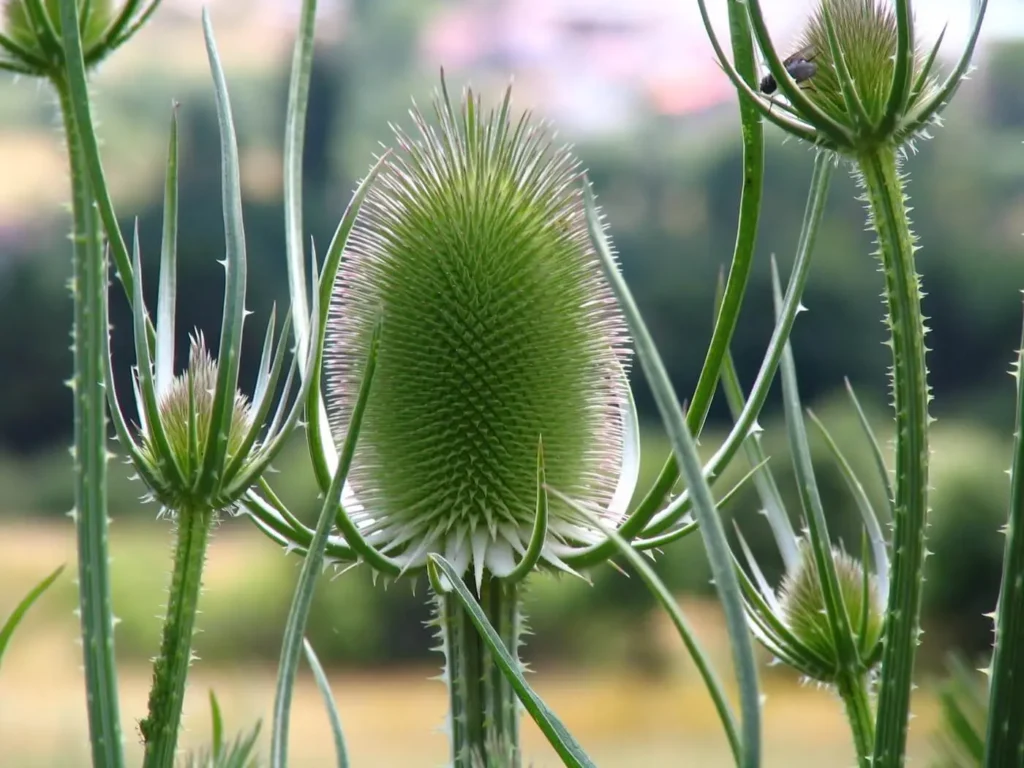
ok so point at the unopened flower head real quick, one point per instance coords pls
(804, 612)
(856, 81)
(867, 38)
(32, 43)
(186, 411)
(499, 332)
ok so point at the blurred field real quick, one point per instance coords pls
(391, 718)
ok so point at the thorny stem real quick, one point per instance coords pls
(853, 689)
(90, 454)
(160, 728)
(483, 708)
(884, 189)
(1004, 744)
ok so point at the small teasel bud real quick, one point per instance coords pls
(803, 609)
(189, 396)
(499, 332)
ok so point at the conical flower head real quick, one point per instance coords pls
(805, 614)
(499, 330)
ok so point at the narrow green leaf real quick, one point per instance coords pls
(868, 516)
(22, 608)
(332, 710)
(230, 347)
(168, 294)
(295, 625)
(540, 525)
(711, 528)
(929, 64)
(747, 420)
(876, 451)
(727, 314)
(660, 592)
(923, 113)
(79, 108)
(294, 143)
(321, 448)
(764, 481)
(440, 571)
(146, 396)
(903, 71)
(810, 499)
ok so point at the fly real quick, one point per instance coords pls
(800, 66)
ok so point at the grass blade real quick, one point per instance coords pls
(22, 608)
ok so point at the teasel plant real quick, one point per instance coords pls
(200, 443)
(429, 260)
(826, 619)
(867, 94)
(36, 39)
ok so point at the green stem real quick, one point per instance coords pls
(1004, 744)
(160, 728)
(853, 689)
(910, 388)
(484, 710)
(90, 462)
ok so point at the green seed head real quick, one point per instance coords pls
(866, 36)
(499, 330)
(186, 410)
(803, 607)
(27, 30)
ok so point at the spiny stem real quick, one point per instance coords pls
(1004, 744)
(884, 189)
(90, 455)
(160, 728)
(853, 689)
(483, 707)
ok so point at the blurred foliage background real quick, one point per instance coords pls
(670, 187)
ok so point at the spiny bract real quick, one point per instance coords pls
(499, 330)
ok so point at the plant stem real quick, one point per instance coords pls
(896, 248)
(90, 455)
(853, 689)
(160, 728)
(483, 708)
(1004, 744)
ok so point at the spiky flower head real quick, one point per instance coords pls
(804, 612)
(31, 42)
(857, 81)
(186, 414)
(499, 331)
(865, 40)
